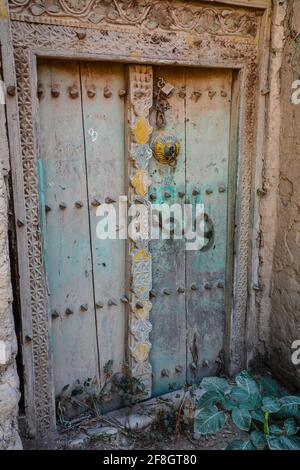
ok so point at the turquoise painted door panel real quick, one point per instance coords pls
(68, 250)
(103, 99)
(188, 328)
(207, 151)
(168, 336)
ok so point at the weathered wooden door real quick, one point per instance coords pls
(81, 165)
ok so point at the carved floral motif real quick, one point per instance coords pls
(141, 154)
(165, 15)
(141, 273)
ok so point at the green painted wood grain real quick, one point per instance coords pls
(207, 150)
(189, 329)
(168, 315)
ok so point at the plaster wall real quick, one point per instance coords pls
(285, 277)
(9, 382)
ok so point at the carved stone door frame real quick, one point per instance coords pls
(201, 34)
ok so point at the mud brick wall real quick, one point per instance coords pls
(285, 292)
(9, 382)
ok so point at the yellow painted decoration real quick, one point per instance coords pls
(142, 130)
(3, 10)
(142, 313)
(142, 255)
(142, 351)
(141, 182)
(190, 40)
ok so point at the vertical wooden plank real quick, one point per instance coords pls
(207, 149)
(69, 266)
(168, 314)
(103, 87)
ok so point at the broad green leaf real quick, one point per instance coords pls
(209, 420)
(289, 405)
(283, 443)
(228, 404)
(244, 399)
(288, 412)
(290, 427)
(250, 398)
(276, 430)
(271, 404)
(240, 445)
(210, 398)
(215, 384)
(241, 418)
(258, 415)
(270, 386)
(239, 394)
(290, 400)
(245, 381)
(258, 439)
(241, 397)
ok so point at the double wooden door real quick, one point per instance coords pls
(82, 108)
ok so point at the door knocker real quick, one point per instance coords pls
(166, 149)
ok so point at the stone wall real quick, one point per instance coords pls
(285, 290)
(9, 382)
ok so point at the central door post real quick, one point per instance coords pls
(138, 131)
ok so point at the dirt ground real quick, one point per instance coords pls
(147, 440)
(183, 442)
(162, 423)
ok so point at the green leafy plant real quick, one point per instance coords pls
(258, 406)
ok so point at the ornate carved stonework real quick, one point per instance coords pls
(132, 44)
(149, 15)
